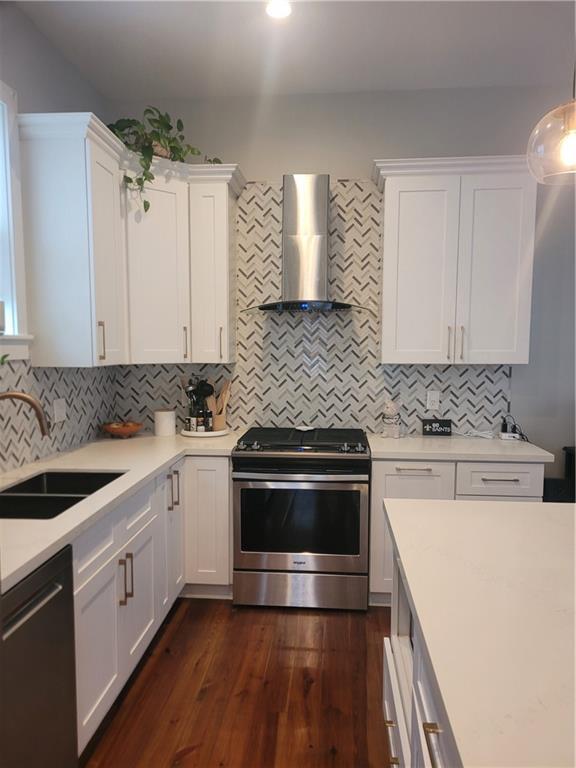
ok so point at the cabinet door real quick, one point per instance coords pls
(175, 532)
(207, 522)
(160, 505)
(401, 480)
(138, 619)
(98, 675)
(419, 269)
(210, 273)
(497, 213)
(158, 273)
(110, 335)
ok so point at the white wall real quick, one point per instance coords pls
(342, 134)
(44, 80)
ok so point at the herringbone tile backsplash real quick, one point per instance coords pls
(89, 395)
(323, 369)
(291, 368)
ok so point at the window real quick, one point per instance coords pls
(12, 289)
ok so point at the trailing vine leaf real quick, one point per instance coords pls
(4, 359)
(146, 138)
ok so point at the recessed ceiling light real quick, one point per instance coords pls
(278, 9)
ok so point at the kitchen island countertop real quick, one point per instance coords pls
(491, 586)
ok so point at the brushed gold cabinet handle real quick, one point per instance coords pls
(500, 479)
(462, 342)
(177, 474)
(102, 355)
(391, 724)
(185, 330)
(130, 556)
(221, 332)
(413, 469)
(430, 730)
(122, 563)
(449, 355)
(171, 502)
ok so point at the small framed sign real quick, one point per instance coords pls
(436, 427)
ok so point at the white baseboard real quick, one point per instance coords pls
(207, 591)
(381, 599)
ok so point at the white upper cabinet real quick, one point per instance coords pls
(497, 214)
(74, 242)
(213, 270)
(181, 265)
(420, 268)
(458, 249)
(158, 272)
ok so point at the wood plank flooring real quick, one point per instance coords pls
(229, 687)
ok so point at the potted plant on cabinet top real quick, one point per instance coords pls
(156, 135)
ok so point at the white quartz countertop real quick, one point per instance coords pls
(26, 544)
(492, 588)
(456, 448)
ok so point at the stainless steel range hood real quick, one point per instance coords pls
(305, 238)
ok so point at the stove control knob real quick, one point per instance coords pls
(345, 448)
(360, 448)
(241, 446)
(256, 446)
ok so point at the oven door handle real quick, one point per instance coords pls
(300, 478)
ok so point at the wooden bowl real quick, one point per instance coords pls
(122, 428)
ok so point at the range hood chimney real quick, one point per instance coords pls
(305, 239)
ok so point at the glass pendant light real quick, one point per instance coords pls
(552, 144)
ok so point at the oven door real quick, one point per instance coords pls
(288, 525)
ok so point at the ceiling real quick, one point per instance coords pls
(188, 50)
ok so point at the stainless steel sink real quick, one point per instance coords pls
(48, 494)
(63, 483)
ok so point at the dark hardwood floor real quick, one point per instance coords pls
(254, 688)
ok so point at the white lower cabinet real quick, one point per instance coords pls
(418, 728)
(98, 658)
(394, 720)
(401, 480)
(207, 523)
(128, 570)
(463, 480)
(175, 507)
(137, 617)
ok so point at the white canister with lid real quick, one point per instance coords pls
(164, 422)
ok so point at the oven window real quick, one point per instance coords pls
(320, 521)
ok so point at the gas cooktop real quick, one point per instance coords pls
(302, 441)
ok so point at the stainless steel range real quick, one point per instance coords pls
(301, 505)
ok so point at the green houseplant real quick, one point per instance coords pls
(155, 135)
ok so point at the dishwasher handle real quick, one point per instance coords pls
(30, 608)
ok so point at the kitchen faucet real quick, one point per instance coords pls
(36, 406)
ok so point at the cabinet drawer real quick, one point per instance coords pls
(398, 742)
(497, 479)
(93, 548)
(417, 479)
(137, 511)
(106, 536)
(430, 727)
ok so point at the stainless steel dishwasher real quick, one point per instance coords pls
(37, 669)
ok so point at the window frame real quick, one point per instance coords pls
(15, 345)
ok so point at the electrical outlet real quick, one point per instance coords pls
(432, 400)
(59, 406)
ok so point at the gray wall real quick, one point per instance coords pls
(44, 80)
(341, 134)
